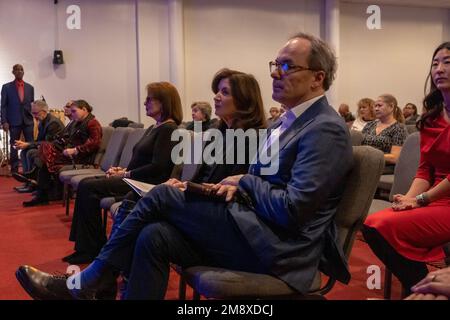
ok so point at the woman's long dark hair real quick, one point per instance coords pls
(433, 103)
(246, 96)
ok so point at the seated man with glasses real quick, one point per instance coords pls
(48, 129)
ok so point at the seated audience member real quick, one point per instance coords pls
(201, 111)
(68, 115)
(387, 133)
(271, 222)
(150, 163)
(435, 286)
(417, 226)
(49, 127)
(410, 114)
(365, 114)
(274, 116)
(344, 111)
(77, 144)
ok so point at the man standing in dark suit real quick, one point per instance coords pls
(48, 130)
(281, 222)
(16, 111)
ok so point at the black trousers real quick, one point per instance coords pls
(47, 182)
(14, 134)
(409, 272)
(86, 230)
(169, 225)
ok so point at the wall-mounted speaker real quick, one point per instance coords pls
(58, 57)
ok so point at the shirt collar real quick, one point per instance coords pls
(19, 82)
(298, 110)
(291, 115)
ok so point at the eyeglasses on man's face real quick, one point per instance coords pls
(286, 68)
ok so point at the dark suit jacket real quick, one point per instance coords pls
(48, 130)
(14, 112)
(289, 223)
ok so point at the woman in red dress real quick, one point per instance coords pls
(417, 226)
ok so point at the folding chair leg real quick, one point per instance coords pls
(196, 295)
(68, 196)
(387, 283)
(65, 191)
(403, 292)
(182, 289)
(105, 219)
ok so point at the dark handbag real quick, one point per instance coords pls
(61, 142)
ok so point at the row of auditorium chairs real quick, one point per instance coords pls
(116, 150)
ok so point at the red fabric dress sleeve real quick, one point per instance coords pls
(424, 170)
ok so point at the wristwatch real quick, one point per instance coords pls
(422, 199)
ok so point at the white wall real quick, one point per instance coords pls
(395, 59)
(242, 35)
(153, 42)
(100, 59)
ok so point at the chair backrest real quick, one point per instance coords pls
(411, 128)
(115, 146)
(407, 165)
(127, 152)
(106, 135)
(136, 125)
(368, 164)
(356, 137)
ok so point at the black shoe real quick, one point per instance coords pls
(25, 189)
(36, 201)
(43, 286)
(108, 288)
(69, 256)
(104, 289)
(21, 187)
(79, 258)
(20, 177)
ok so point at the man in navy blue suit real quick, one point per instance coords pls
(283, 223)
(16, 114)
